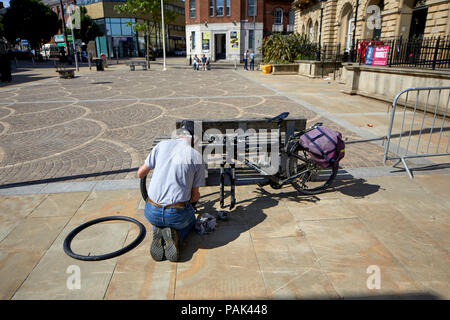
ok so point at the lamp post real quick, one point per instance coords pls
(163, 36)
(352, 50)
(320, 30)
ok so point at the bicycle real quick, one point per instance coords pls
(295, 166)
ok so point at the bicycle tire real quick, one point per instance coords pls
(74, 232)
(328, 175)
(143, 186)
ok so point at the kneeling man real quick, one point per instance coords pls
(178, 172)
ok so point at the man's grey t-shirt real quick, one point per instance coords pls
(177, 168)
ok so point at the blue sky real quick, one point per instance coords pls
(5, 3)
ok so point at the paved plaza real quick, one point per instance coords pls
(101, 124)
(70, 148)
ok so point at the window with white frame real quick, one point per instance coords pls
(219, 8)
(211, 8)
(228, 12)
(278, 16)
(251, 8)
(192, 9)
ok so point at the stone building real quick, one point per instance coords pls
(225, 29)
(397, 18)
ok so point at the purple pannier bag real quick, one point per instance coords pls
(324, 145)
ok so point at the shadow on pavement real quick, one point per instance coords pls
(356, 188)
(247, 214)
(22, 78)
(66, 178)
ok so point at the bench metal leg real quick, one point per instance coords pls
(232, 175)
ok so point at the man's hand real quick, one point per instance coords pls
(143, 171)
(195, 194)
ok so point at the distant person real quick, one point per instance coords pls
(196, 62)
(204, 59)
(245, 60)
(252, 61)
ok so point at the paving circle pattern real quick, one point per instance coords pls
(99, 125)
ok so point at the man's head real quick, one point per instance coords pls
(187, 132)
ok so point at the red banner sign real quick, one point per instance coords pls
(380, 56)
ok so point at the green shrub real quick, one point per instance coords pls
(282, 49)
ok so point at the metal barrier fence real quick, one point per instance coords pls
(422, 128)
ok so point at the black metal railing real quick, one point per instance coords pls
(425, 53)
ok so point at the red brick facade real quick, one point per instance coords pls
(239, 12)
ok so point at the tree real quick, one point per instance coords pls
(31, 20)
(149, 11)
(89, 30)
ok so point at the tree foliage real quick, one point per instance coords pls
(30, 20)
(149, 14)
(280, 49)
(89, 30)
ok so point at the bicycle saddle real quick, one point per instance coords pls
(279, 117)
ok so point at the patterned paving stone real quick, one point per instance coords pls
(101, 124)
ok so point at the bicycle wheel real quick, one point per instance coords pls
(312, 179)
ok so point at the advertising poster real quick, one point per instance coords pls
(234, 40)
(380, 56)
(205, 41)
(369, 56)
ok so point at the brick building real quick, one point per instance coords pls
(61, 8)
(399, 18)
(224, 29)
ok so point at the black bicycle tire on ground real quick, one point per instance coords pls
(74, 232)
(317, 190)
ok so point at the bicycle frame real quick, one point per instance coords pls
(277, 179)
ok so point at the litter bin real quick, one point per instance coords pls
(99, 64)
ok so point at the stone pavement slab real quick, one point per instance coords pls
(274, 245)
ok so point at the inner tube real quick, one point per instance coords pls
(74, 232)
(144, 188)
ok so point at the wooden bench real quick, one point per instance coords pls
(209, 126)
(134, 63)
(65, 73)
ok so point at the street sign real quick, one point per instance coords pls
(60, 37)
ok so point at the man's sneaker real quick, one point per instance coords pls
(156, 249)
(171, 249)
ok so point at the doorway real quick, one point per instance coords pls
(220, 46)
(418, 21)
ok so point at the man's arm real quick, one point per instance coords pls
(195, 194)
(143, 171)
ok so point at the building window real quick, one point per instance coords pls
(228, 7)
(251, 8)
(219, 7)
(278, 16)
(192, 39)
(251, 39)
(291, 17)
(192, 9)
(211, 8)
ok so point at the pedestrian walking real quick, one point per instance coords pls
(204, 59)
(252, 61)
(245, 60)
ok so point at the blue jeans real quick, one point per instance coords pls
(182, 220)
(245, 64)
